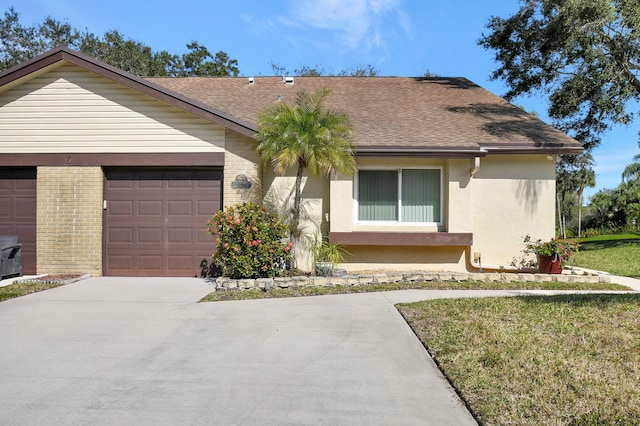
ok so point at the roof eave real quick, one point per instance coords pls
(567, 150)
(425, 152)
(129, 80)
(461, 152)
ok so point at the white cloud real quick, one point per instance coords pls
(358, 23)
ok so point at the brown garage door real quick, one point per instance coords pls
(155, 220)
(18, 211)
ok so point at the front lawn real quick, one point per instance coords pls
(617, 254)
(538, 360)
(22, 289)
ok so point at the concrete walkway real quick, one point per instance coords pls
(143, 351)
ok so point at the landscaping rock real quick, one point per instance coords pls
(460, 277)
(542, 278)
(224, 283)
(380, 278)
(282, 282)
(264, 283)
(526, 277)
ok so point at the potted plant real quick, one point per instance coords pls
(325, 255)
(552, 254)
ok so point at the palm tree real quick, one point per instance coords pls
(307, 136)
(585, 177)
(573, 173)
(632, 171)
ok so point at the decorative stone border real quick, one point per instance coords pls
(224, 283)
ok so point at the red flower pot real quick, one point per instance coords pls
(549, 264)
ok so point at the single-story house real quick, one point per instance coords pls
(107, 173)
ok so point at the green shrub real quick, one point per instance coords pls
(611, 229)
(250, 243)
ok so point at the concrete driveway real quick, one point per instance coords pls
(143, 351)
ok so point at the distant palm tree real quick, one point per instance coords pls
(307, 136)
(585, 177)
(632, 171)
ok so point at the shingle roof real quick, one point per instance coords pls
(392, 114)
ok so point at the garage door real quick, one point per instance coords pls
(18, 211)
(155, 220)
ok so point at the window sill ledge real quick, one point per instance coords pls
(449, 239)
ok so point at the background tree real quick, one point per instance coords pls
(306, 136)
(199, 61)
(320, 71)
(19, 42)
(630, 187)
(584, 53)
(584, 177)
(620, 206)
(631, 173)
(574, 173)
(126, 54)
(565, 187)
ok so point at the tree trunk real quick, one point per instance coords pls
(295, 222)
(579, 214)
(559, 215)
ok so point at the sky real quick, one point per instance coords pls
(396, 37)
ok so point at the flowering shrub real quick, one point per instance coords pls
(250, 243)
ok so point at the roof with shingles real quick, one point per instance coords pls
(391, 113)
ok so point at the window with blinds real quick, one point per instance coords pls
(405, 195)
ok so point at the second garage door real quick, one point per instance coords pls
(155, 220)
(18, 211)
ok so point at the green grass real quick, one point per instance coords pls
(538, 360)
(12, 291)
(433, 285)
(611, 237)
(618, 254)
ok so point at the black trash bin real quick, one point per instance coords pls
(10, 256)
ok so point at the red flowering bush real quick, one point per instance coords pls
(250, 243)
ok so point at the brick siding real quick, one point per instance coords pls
(241, 159)
(69, 220)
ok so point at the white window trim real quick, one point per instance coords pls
(398, 222)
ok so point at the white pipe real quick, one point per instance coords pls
(480, 267)
(476, 166)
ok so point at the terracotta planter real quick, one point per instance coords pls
(549, 264)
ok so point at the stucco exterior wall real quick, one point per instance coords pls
(510, 196)
(71, 110)
(315, 202)
(513, 195)
(69, 220)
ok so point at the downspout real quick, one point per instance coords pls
(475, 258)
(476, 166)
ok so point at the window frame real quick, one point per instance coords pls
(399, 221)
